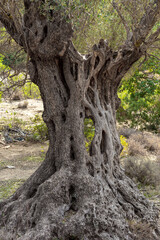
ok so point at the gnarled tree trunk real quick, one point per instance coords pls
(75, 194)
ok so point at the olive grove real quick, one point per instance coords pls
(76, 194)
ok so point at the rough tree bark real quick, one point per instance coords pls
(75, 194)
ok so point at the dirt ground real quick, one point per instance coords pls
(9, 109)
(19, 160)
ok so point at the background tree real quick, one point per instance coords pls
(13, 72)
(140, 95)
(73, 194)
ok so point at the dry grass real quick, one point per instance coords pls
(142, 170)
(127, 132)
(136, 148)
(147, 141)
(141, 230)
(152, 142)
(142, 163)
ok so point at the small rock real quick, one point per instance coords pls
(6, 147)
(10, 167)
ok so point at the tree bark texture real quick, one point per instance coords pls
(74, 194)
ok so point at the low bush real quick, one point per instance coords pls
(136, 148)
(12, 121)
(151, 142)
(142, 170)
(38, 131)
(139, 94)
(141, 230)
(30, 90)
(141, 143)
(124, 143)
(126, 132)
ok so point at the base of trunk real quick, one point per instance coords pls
(80, 206)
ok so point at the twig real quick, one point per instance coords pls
(115, 5)
(145, 59)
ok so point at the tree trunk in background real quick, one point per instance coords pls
(76, 195)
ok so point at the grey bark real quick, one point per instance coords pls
(75, 194)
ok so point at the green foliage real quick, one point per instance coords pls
(11, 60)
(0, 96)
(2, 68)
(90, 19)
(140, 96)
(12, 121)
(89, 131)
(104, 23)
(2, 65)
(124, 143)
(38, 130)
(66, 9)
(30, 90)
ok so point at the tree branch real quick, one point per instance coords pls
(146, 24)
(115, 5)
(8, 22)
(153, 37)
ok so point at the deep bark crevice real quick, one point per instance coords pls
(76, 72)
(27, 4)
(73, 200)
(60, 63)
(72, 153)
(32, 194)
(45, 32)
(97, 60)
(90, 169)
(64, 117)
(103, 144)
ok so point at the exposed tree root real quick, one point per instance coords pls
(80, 207)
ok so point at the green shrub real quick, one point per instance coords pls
(30, 90)
(140, 98)
(12, 121)
(89, 132)
(38, 131)
(143, 144)
(125, 146)
(13, 60)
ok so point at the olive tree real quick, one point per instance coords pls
(76, 194)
